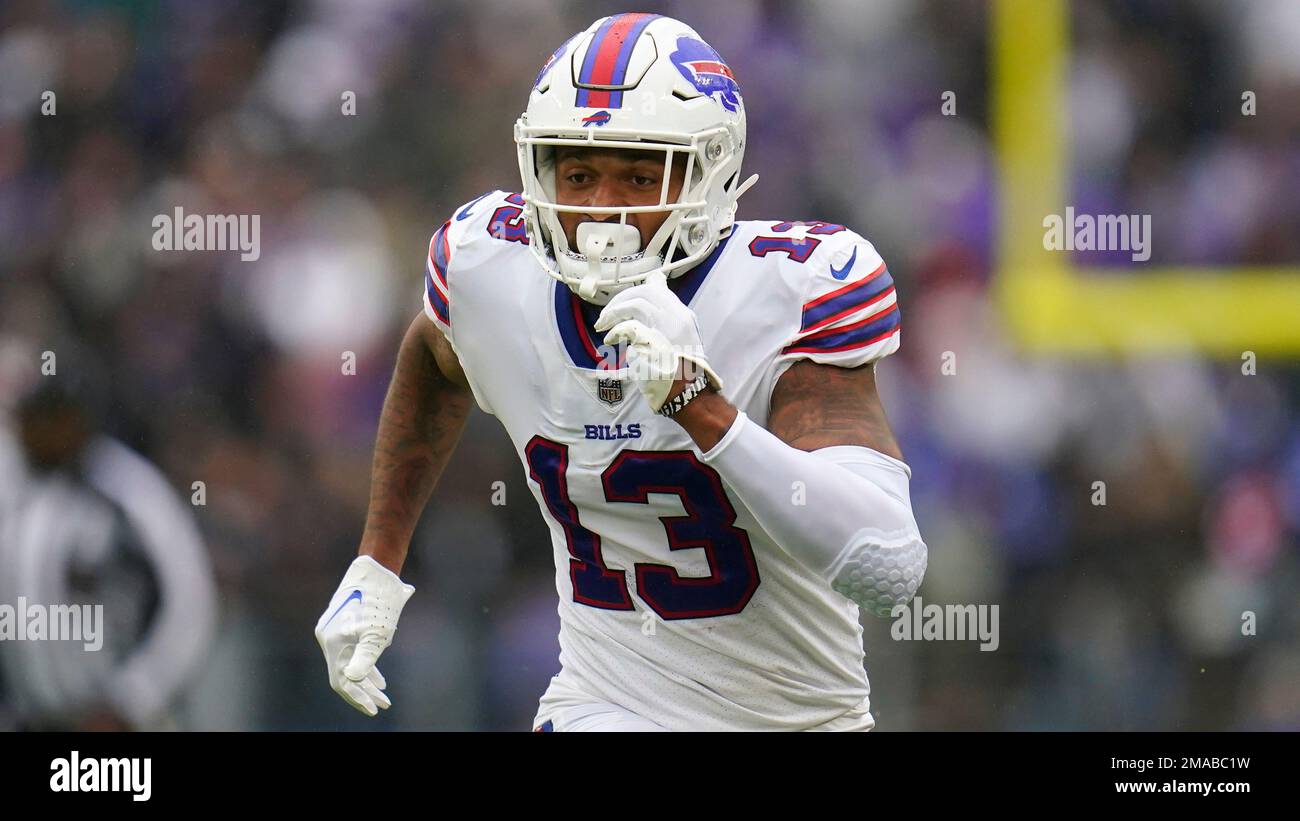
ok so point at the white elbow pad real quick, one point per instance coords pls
(853, 525)
(880, 569)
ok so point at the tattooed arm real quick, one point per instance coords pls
(813, 406)
(424, 413)
(829, 446)
(818, 406)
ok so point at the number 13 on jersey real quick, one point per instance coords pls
(709, 524)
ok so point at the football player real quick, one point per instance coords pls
(692, 399)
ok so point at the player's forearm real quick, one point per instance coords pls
(706, 418)
(843, 512)
(422, 419)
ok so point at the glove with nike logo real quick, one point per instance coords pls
(661, 332)
(356, 627)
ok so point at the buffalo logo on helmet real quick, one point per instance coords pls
(699, 63)
(597, 119)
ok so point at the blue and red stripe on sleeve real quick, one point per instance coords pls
(435, 275)
(861, 334)
(873, 289)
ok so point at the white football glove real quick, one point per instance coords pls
(356, 627)
(660, 331)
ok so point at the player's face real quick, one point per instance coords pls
(614, 177)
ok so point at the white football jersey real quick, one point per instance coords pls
(674, 604)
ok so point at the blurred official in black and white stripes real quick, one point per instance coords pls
(85, 520)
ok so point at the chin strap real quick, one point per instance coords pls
(746, 185)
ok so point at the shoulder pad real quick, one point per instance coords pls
(848, 313)
(477, 229)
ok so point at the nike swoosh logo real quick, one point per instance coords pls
(848, 266)
(356, 594)
(465, 212)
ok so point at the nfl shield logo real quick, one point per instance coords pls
(610, 391)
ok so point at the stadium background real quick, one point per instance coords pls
(1123, 616)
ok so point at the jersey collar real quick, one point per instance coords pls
(576, 317)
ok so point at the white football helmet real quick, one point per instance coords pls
(644, 82)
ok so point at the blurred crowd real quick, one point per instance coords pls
(1127, 615)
